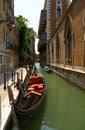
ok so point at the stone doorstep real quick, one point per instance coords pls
(6, 109)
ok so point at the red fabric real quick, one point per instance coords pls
(36, 80)
(36, 87)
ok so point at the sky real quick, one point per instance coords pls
(30, 9)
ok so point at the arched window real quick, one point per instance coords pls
(68, 38)
(57, 47)
(58, 9)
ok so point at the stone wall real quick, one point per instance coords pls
(76, 77)
(73, 69)
(76, 13)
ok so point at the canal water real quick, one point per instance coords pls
(63, 107)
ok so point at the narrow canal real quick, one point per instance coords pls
(63, 107)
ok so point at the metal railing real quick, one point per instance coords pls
(13, 77)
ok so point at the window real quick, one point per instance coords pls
(68, 45)
(58, 12)
(8, 43)
(58, 9)
(68, 39)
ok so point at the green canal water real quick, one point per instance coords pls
(63, 107)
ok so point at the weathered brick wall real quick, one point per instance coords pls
(53, 16)
(77, 14)
(64, 7)
(76, 11)
(61, 42)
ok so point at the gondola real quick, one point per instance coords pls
(29, 99)
(31, 94)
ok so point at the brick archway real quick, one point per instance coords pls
(68, 36)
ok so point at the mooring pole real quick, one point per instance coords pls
(12, 75)
(11, 100)
(21, 74)
(17, 79)
(4, 81)
(14, 80)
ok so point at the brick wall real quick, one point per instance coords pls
(76, 12)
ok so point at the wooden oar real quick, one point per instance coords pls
(11, 100)
(34, 92)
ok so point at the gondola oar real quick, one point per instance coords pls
(11, 100)
(34, 92)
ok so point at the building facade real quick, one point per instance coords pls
(67, 45)
(50, 18)
(8, 36)
(42, 37)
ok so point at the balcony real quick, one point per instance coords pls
(9, 46)
(43, 41)
(42, 23)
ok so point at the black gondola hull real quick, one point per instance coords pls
(24, 115)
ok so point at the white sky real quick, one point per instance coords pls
(30, 9)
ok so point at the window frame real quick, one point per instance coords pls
(58, 6)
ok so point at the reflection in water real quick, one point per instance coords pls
(44, 127)
(63, 107)
(37, 65)
(15, 128)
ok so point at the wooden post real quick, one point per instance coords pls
(14, 80)
(11, 100)
(4, 81)
(21, 74)
(17, 80)
(12, 75)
